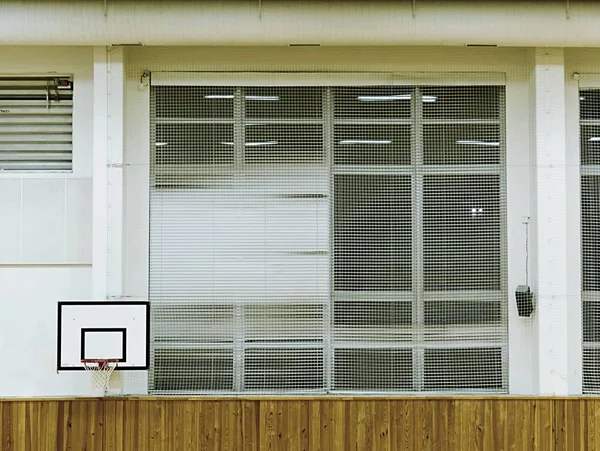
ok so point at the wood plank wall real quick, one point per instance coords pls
(360, 424)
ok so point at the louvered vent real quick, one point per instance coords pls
(36, 124)
(341, 240)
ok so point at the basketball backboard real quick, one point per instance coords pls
(103, 330)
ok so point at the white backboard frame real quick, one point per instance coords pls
(81, 324)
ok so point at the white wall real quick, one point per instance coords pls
(45, 237)
(46, 220)
(512, 62)
(281, 22)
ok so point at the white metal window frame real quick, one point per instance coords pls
(333, 79)
(446, 334)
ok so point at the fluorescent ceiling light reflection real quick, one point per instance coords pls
(394, 97)
(384, 98)
(365, 141)
(230, 96)
(265, 143)
(478, 143)
(268, 98)
(594, 139)
(161, 144)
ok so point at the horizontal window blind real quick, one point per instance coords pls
(36, 123)
(340, 240)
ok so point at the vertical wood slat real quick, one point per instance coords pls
(544, 424)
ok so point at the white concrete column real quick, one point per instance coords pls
(108, 173)
(115, 171)
(99, 191)
(550, 220)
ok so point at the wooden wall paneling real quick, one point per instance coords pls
(250, 412)
(593, 422)
(13, 431)
(143, 424)
(115, 438)
(41, 425)
(543, 433)
(381, 425)
(81, 426)
(570, 425)
(328, 425)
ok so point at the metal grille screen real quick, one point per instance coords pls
(36, 124)
(344, 239)
(589, 102)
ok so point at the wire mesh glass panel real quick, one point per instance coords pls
(589, 102)
(192, 324)
(590, 211)
(378, 144)
(591, 363)
(284, 323)
(461, 144)
(463, 369)
(372, 233)
(590, 143)
(192, 370)
(176, 103)
(471, 103)
(190, 144)
(591, 320)
(373, 102)
(461, 232)
(444, 312)
(372, 370)
(283, 369)
(282, 102)
(369, 312)
(283, 143)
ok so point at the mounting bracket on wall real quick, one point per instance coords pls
(105, 8)
(144, 80)
(567, 9)
(413, 7)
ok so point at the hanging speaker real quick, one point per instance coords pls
(524, 300)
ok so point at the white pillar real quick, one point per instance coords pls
(115, 138)
(550, 220)
(99, 191)
(108, 173)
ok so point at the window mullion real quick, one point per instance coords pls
(238, 128)
(238, 310)
(417, 238)
(328, 310)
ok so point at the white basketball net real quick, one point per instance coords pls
(100, 372)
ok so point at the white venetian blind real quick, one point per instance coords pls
(36, 123)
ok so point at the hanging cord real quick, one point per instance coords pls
(526, 220)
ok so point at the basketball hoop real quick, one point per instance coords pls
(100, 371)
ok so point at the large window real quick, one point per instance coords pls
(589, 102)
(344, 239)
